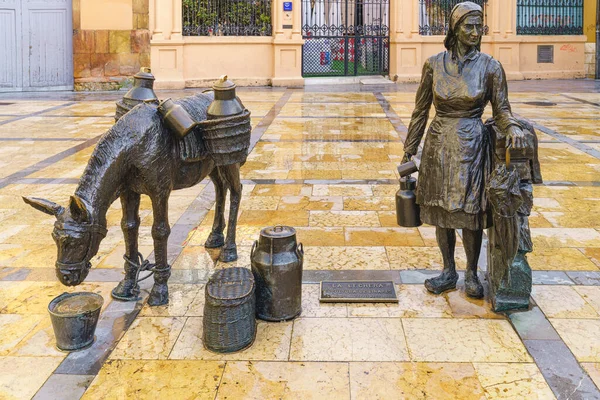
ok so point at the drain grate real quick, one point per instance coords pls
(540, 103)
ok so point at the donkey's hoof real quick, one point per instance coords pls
(126, 291)
(159, 295)
(228, 254)
(215, 240)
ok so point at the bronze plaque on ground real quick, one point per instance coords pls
(358, 292)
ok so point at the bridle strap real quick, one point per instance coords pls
(84, 228)
(94, 230)
(78, 266)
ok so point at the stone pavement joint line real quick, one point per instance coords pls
(334, 179)
(581, 100)
(564, 375)
(565, 139)
(13, 178)
(30, 139)
(264, 124)
(330, 140)
(561, 370)
(257, 181)
(396, 121)
(46, 181)
(34, 114)
(415, 276)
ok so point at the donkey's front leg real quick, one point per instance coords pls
(159, 295)
(231, 174)
(130, 223)
(216, 238)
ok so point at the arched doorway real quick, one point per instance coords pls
(345, 37)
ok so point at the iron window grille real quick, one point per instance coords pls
(227, 18)
(434, 15)
(549, 17)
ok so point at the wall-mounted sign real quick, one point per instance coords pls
(287, 6)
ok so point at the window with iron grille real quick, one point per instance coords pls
(434, 15)
(549, 17)
(227, 18)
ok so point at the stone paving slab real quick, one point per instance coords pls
(562, 372)
(323, 160)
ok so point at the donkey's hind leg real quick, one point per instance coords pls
(231, 174)
(216, 238)
(159, 295)
(130, 223)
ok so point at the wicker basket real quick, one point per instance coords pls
(229, 312)
(227, 139)
(125, 105)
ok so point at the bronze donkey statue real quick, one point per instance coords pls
(138, 155)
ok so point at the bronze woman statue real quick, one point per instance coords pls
(456, 159)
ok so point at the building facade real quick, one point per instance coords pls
(589, 30)
(189, 43)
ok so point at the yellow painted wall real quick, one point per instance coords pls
(208, 58)
(179, 61)
(589, 20)
(106, 14)
(569, 60)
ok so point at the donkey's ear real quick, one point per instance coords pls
(78, 209)
(43, 205)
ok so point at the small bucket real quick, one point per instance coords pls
(74, 318)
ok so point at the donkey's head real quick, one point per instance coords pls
(77, 237)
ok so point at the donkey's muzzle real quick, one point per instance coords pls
(72, 274)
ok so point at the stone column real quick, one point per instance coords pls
(406, 58)
(493, 17)
(287, 44)
(176, 34)
(167, 44)
(502, 22)
(156, 26)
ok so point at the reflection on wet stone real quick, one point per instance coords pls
(327, 174)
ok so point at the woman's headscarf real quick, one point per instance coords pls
(459, 12)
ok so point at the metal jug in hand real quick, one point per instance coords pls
(408, 212)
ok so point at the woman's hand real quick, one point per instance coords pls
(406, 158)
(516, 137)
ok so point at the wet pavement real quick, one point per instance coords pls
(324, 161)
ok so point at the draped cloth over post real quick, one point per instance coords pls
(456, 158)
(510, 195)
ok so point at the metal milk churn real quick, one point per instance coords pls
(277, 267)
(226, 103)
(176, 118)
(141, 92)
(408, 212)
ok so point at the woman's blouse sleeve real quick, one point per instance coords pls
(420, 115)
(499, 97)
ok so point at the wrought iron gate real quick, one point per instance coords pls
(345, 37)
